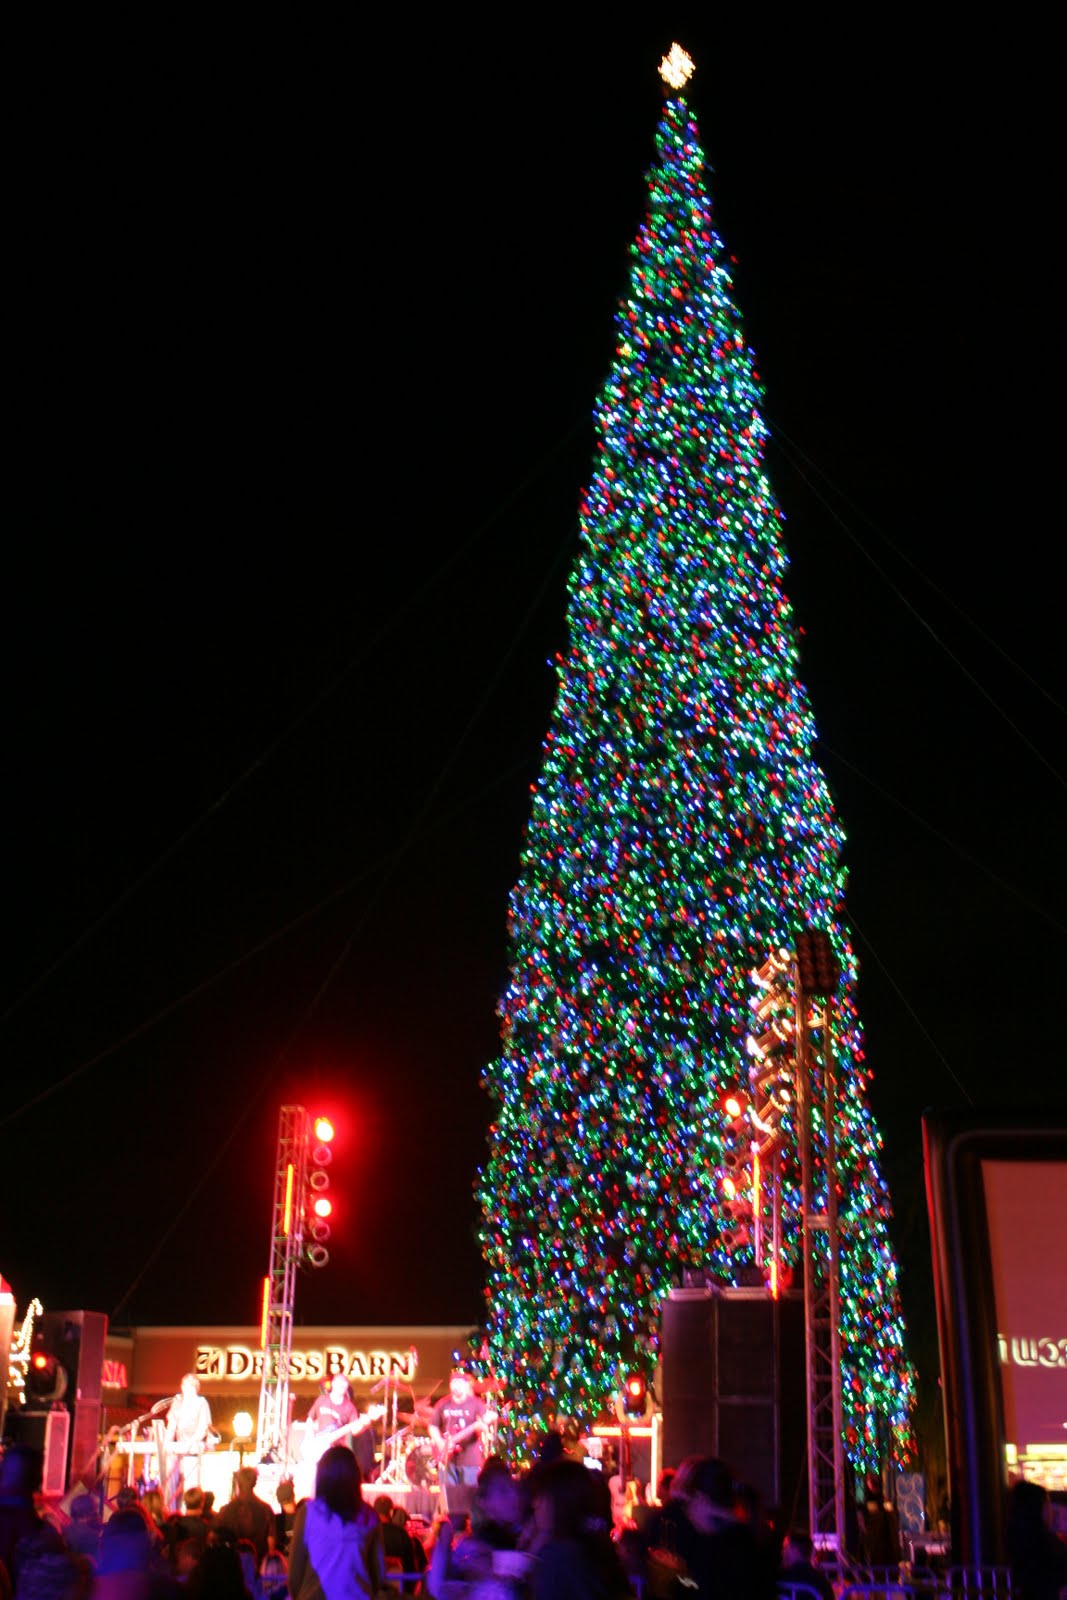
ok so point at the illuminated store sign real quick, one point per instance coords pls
(1032, 1352)
(236, 1363)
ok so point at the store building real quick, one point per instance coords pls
(145, 1365)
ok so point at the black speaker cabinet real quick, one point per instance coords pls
(47, 1432)
(734, 1386)
(77, 1339)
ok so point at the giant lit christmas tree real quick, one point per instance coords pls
(680, 830)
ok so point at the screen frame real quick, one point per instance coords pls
(955, 1148)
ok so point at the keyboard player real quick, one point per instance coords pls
(186, 1438)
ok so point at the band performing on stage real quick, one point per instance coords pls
(428, 1449)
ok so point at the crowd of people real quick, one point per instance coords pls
(555, 1531)
(552, 1532)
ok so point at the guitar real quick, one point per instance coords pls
(315, 1445)
(453, 1443)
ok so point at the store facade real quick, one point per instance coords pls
(146, 1364)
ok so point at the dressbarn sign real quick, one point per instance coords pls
(228, 1360)
(236, 1363)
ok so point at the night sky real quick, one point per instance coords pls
(309, 333)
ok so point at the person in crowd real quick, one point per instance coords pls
(1037, 1557)
(83, 1532)
(798, 1564)
(246, 1555)
(455, 1428)
(20, 1478)
(752, 1511)
(336, 1550)
(190, 1523)
(218, 1575)
(500, 1508)
(130, 1565)
(412, 1529)
(273, 1572)
(286, 1514)
(396, 1541)
(155, 1511)
(465, 1563)
(879, 1541)
(246, 1515)
(184, 1558)
(575, 1556)
(553, 1448)
(46, 1573)
(661, 1533)
(721, 1555)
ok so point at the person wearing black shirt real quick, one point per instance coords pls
(799, 1567)
(456, 1424)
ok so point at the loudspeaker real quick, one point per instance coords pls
(687, 1341)
(734, 1386)
(47, 1432)
(77, 1340)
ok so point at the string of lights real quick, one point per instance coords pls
(680, 827)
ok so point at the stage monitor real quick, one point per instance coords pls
(997, 1194)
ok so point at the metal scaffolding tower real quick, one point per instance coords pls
(815, 1120)
(793, 1066)
(287, 1246)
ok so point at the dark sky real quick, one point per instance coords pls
(309, 333)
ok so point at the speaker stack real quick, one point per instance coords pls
(77, 1339)
(734, 1386)
(47, 1432)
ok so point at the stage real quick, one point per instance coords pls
(218, 1467)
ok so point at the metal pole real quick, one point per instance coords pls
(834, 1264)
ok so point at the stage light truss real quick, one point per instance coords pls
(792, 1092)
(287, 1251)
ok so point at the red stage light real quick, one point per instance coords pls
(46, 1380)
(322, 1207)
(324, 1130)
(635, 1397)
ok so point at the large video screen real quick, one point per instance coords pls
(1026, 1208)
(997, 1191)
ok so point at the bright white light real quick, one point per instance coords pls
(677, 68)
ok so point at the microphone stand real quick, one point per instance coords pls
(392, 1472)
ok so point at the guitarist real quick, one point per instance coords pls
(456, 1430)
(333, 1410)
